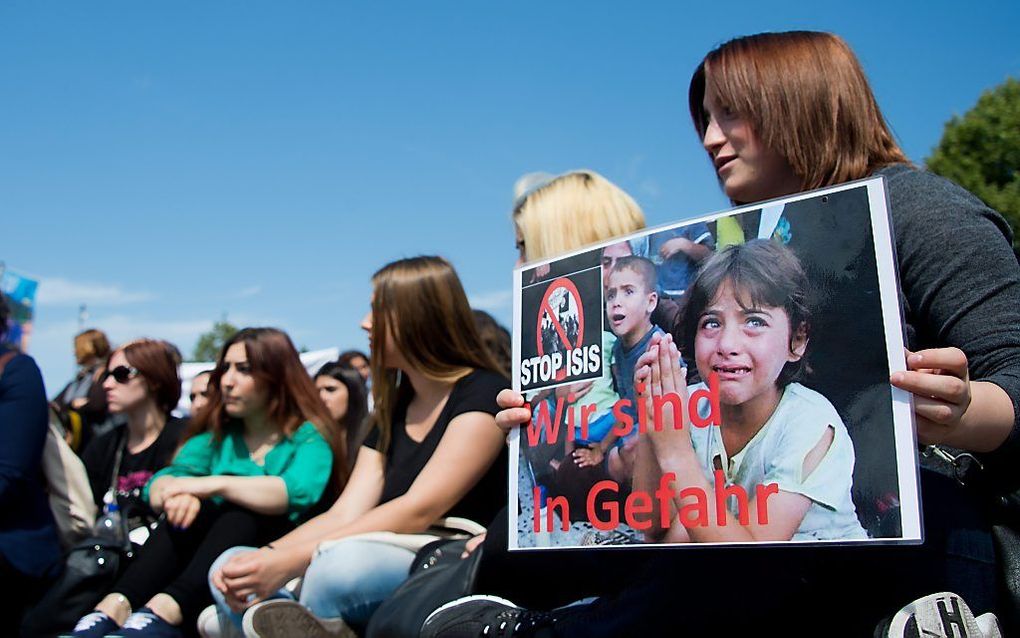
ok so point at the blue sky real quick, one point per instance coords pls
(166, 163)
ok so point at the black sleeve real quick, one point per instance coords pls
(477, 393)
(23, 426)
(961, 281)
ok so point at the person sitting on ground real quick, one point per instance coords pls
(434, 451)
(29, 547)
(342, 390)
(264, 455)
(81, 404)
(199, 393)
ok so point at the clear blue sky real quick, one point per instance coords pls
(166, 163)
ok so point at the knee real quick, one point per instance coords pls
(225, 557)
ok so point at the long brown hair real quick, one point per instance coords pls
(291, 397)
(806, 97)
(420, 304)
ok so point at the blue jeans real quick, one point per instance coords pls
(348, 580)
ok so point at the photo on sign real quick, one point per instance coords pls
(721, 380)
(564, 344)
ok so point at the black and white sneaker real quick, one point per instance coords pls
(943, 615)
(93, 625)
(483, 617)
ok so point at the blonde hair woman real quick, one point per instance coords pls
(434, 451)
(553, 215)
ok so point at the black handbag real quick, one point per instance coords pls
(437, 576)
(91, 569)
(1000, 497)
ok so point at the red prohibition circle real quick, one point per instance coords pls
(562, 282)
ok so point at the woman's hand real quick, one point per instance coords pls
(939, 379)
(201, 487)
(181, 510)
(473, 544)
(249, 577)
(515, 413)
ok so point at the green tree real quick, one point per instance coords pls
(981, 151)
(209, 344)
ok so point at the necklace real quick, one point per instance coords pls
(258, 455)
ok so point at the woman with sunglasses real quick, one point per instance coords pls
(264, 456)
(141, 383)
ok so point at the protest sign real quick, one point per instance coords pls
(773, 421)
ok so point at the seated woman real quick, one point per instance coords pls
(432, 453)
(265, 455)
(142, 383)
(343, 392)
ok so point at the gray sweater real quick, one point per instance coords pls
(960, 286)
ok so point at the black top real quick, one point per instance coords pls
(135, 469)
(405, 457)
(28, 537)
(960, 286)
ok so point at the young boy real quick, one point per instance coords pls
(630, 300)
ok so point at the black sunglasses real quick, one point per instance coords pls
(123, 374)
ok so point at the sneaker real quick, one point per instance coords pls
(488, 616)
(94, 625)
(144, 623)
(281, 618)
(943, 615)
(212, 625)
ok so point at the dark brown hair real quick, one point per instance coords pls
(806, 97)
(764, 273)
(154, 360)
(291, 397)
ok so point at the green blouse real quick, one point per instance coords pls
(303, 460)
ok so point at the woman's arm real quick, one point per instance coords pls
(260, 494)
(966, 297)
(194, 459)
(470, 445)
(264, 571)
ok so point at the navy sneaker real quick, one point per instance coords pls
(94, 625)
(488, 616)
(144, 623)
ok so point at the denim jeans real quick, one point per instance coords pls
(348, 580)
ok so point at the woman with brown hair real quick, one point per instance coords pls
(141, 383)
(264, 456)
(81, 404)
(434, 451)
(780, 113)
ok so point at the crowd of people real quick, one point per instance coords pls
(289, 504)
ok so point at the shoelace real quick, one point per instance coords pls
(88, 621)
(139, 620)
(519, 622)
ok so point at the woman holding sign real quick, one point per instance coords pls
(781, 113)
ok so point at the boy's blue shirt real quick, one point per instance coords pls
(624, 361)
